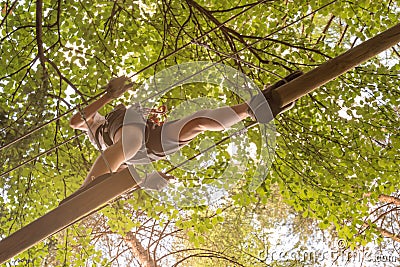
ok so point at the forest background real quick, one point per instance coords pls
(333, 185)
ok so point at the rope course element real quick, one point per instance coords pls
(138, 72)
(41, 154)
(224, 57)
(236, 133)
(193, 41)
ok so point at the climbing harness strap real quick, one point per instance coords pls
(83, 116)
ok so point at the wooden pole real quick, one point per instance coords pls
(333, 68)
(65, 214)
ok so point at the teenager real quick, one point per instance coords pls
(145, 141)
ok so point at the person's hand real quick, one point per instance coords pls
(155, 181)
(118, 86)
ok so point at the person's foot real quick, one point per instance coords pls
(258, 104)
(155, 181)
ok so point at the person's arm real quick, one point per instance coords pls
(77, 122)
(115, 88)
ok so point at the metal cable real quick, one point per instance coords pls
(41, 154)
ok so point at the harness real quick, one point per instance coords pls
(115, 120)
(116, 116)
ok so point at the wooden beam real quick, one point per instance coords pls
(65, 214)
(333, 68)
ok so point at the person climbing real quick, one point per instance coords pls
(148, 141)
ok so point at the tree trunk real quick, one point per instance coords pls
(138, 251)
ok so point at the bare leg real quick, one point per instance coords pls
(117, 153)
(211, 120)
(187, 128)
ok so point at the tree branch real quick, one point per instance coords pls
(386, 233)
(236, 7)
(39, 32)
(66, 80)
(389, 199)
(225, 30)
(8, 12)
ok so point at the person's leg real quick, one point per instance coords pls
(207, 120)
(116, 154)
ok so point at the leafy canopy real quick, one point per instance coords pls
(325, 163)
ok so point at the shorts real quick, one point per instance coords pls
(159, 140)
